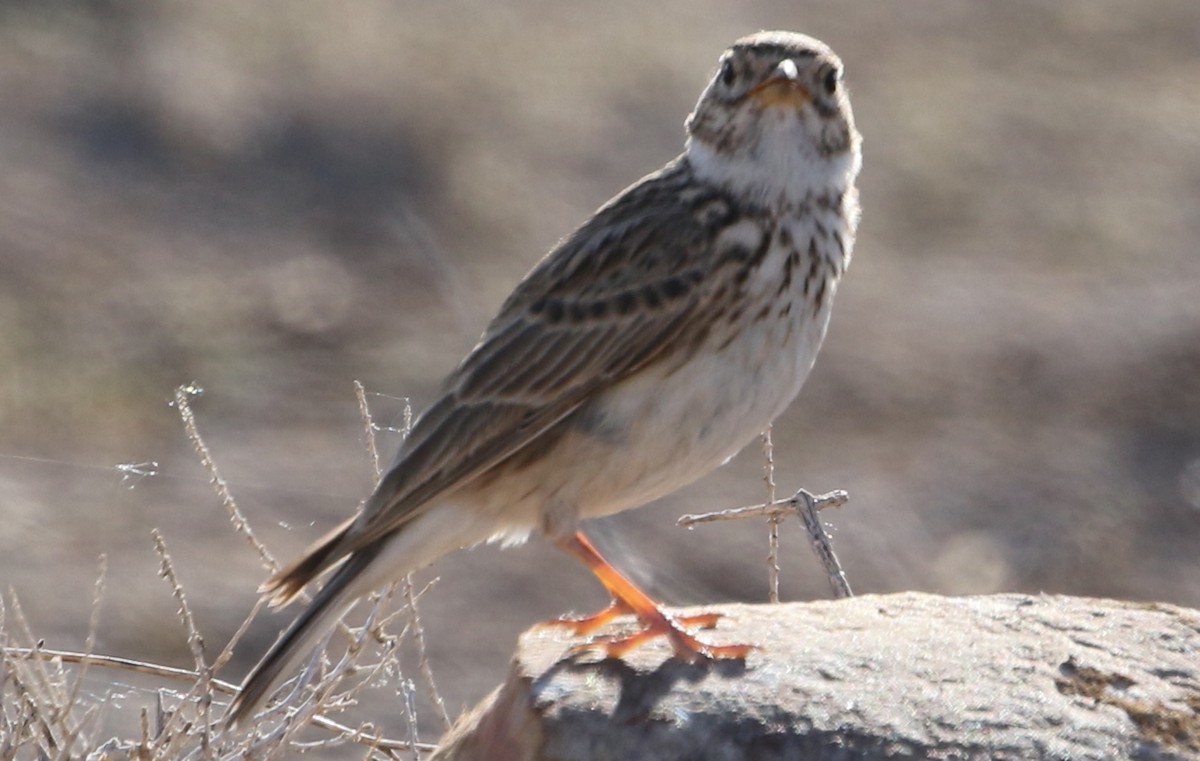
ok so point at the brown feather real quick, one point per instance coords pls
(285, 584)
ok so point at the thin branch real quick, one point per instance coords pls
(408, 691)
(117, 662)
(227, 652)
(202, 688)
(364, 411)
(40, 691)
(780, 507)
(93, 623)
(214, 476)
(773, 520)
(806, 506)
(370, 740)
(823, 545)
(423, 662)
(167, 571)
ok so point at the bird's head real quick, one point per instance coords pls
(775, 119)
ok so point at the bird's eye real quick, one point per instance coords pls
(831, 81)
(727, 74)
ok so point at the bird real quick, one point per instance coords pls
(643, 351)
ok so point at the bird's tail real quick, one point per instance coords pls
(330, 604)
(418, 543)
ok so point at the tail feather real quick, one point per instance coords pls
(285, 584)
(422, 541)
(330, 604)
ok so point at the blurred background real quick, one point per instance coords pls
(272, 200)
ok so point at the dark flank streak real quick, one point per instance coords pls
(764, 246)
(814, 262)
(793, 259)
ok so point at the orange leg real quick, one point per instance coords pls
(628, 598)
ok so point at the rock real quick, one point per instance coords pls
(871, 677)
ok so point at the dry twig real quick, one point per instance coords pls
(773, 520)
(214, 476)
(804, 504)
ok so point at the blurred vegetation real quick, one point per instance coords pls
(275, 199)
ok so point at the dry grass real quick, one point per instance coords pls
(46, 713)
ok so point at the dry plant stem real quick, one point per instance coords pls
(227, 652)
(804, 504)
(325, 687)
(773, 520)
(143, 748)
(360, 737)
(364, 411)
(90, 643)
(409, 690)
(116, 662)
(194, 640)
(409, 596)
(373, 741)
(37, 692)
(823, 545)
(92, 713)
(214, 476)
(167, 571)
(780, 507)
(423, 653)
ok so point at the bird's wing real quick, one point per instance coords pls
(627, 289)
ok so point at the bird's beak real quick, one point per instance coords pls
(783, 87)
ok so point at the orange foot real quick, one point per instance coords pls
(589, 624)
(628, 598)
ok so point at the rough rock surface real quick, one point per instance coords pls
(872, 677)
